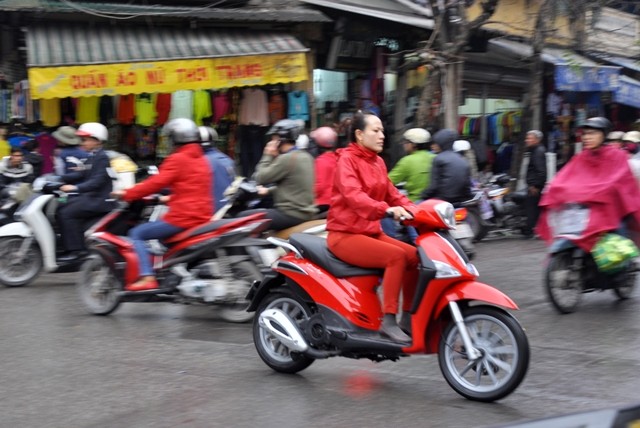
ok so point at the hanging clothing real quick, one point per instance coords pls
(88, 110)
(298, 105)
(163, 108)
(145, 108)
(254, 107)
(50, 113)
(181, 105)
(221, 106)
(126, 109)
(201, 106)
(277, 107)
(106, 109)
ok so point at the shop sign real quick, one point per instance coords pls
(583, 79)
(166, 76)
(628, 93)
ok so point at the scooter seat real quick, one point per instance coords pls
(199, 230)
(315, 249)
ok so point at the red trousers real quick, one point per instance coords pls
(399, 261)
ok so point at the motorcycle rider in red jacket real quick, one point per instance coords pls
(363, 195)
(187, 174)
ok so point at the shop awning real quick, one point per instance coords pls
(628, 93)
(388, 10)
(71, 61)
(573, 72)
(630, 63)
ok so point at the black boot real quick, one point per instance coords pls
(405, 322)
(390, 328)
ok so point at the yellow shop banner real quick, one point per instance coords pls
(165, 76)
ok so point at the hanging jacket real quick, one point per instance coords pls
(362, 192)
(187, 174)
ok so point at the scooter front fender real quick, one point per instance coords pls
(17, 228)
(474, 290)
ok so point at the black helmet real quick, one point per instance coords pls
(600, 123)
(287, 129)
(182, 131)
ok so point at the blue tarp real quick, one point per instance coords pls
(628, 92)
(580, 78)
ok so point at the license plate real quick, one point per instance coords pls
(462, 230)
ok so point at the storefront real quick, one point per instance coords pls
(358, 68)
(134, 81)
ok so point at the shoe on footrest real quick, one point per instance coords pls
(143, 284)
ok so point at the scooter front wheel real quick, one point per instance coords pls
(98, 286)
(273, 352)
(625, 289)
(19, 266)
(504, 354)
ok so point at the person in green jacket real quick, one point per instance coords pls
(414, 169)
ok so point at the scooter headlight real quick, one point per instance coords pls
(444, 270)
(447, 213)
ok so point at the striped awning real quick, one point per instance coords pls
(54, 46)
(67, 61)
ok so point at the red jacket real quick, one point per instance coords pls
(362, 192)
(187, 174)
(325, 170)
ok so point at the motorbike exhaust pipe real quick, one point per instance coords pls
(284, 329)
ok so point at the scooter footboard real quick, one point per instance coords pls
(474, 290)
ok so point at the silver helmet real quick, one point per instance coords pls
(182, 131)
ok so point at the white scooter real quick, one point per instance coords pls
(29, 244)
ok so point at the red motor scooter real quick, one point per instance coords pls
(315, 306)
(189, 266)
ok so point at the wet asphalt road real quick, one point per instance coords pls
(164, 365)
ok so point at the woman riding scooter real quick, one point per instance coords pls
(186, 173)
(362, 196)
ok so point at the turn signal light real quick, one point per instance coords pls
(461, 214)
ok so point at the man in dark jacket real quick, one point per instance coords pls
(93, 184)
(450, 172)
(536, 178)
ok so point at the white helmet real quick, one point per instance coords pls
(302, 142)
(208, 136)
(94, 130)
(461, 146)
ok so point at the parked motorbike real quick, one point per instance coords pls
(190, 267)
(509, 215)
(314, 306)
(571, 271)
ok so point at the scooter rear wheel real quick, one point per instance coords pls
(275, 354)
(98, 286)
(562, 283)
(504, 350)
(16, 271)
